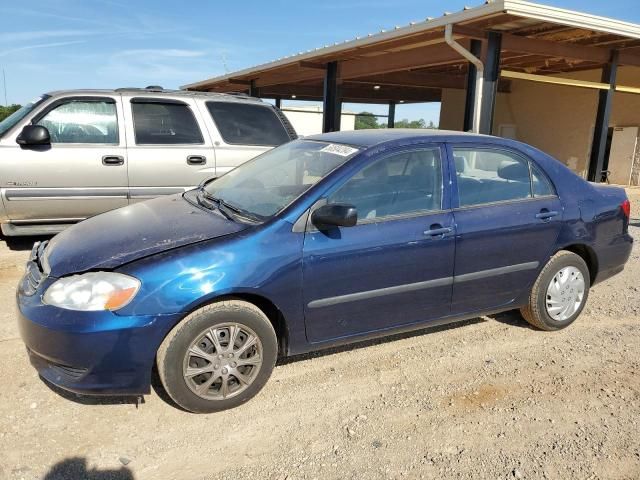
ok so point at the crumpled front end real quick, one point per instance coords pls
(97, 352)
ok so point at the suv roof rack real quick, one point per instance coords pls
(158, 89)
(130, 89)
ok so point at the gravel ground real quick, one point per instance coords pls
(490, 398)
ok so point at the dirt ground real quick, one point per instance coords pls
(490, 398)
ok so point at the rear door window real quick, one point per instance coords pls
(489, 176)
(246, 124)
(540, 183)
(164, 123)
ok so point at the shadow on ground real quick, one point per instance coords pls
(20, 244)
(512, 318)
(76, 468)
(375, 341)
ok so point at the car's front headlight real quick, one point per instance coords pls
(92, 291)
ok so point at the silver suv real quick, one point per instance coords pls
(69, 155)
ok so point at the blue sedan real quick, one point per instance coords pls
(323, 241)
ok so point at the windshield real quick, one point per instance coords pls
(265, 185)
(10, 122)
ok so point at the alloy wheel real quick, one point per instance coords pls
(222, 361)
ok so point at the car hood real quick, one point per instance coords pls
(126, 234)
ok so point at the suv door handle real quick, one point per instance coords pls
(546, 214)
(112, 160)
(196, 160)
(437, 229)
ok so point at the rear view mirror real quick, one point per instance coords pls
(335, 215)
(32, 135)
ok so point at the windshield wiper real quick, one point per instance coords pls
(240, 211)
(210, 202)
(204, 201)
(225, 207)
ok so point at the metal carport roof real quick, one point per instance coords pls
(413, 62)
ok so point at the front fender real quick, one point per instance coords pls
(264, 262)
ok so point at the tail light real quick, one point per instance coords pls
(626, 208)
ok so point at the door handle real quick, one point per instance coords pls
(546, 214)
(437, 229)
(112, 160)
(196, 160)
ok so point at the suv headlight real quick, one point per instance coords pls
(92, 291)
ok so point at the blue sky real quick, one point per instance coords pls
(55, 44)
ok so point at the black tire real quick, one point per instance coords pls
(535, 312)
(171, 358)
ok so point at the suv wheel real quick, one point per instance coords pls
(218, 357)
(559, 294)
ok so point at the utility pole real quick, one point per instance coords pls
(4, 82)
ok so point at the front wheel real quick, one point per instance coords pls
(218, 357)
(559, 293)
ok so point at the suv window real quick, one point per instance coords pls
(81, 121)
(165, 123)
(13, 119)
(400, 184)
(246, 124)
(488, 176)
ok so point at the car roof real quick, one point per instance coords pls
(371, 137)
(156, 92)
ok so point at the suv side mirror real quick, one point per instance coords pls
(335, 215)
(32, 135)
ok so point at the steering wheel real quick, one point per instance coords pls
(75, 131)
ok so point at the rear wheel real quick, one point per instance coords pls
(559, 293)
(218, 357)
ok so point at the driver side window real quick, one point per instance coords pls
(87, 122)
(401, 184)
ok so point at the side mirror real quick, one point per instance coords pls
(335, 215)
(32, 135)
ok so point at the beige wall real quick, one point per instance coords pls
(554, 118)
(307, 120)
(452, 109)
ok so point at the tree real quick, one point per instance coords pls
(366, 120)
(421, 123)
(369, 120)
(6, 111)
(405, 123)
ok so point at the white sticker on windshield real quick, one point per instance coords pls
(342, 150)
